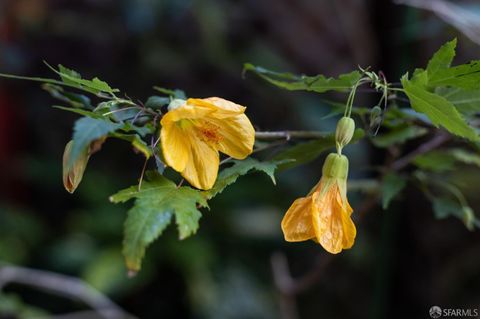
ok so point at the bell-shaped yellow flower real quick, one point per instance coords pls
(324, 214)
(194, 131)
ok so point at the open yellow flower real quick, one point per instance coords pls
(324, 214)
(194, 131)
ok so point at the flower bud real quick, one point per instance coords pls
(335, 166)
(344, 132)
(73, 172)
(175, 104)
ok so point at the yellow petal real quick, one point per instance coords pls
(202, 166)
(327, 219)
(186, 111)
(237, 136)
(297, 222)
(223, 108)
(349, 230)
(175, 146)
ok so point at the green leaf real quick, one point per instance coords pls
(467, 102)
(86, 130)
(442, 59)
(437, 161)
(78, 111)
(392, 185)
(438, 109)
(398, 135)
(308, 151)
(319, 83)
(156, 102)
(73, 78)
(140, 130)
(464, 76)
(444, 207)
(229, 175)
(75, 100)
(465, 156)
(155, 203)
(67, 74)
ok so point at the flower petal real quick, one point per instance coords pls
(237, 136)
(223, 108)
(327, 219)
(202, 166)
(349, 230)
(297, 222)
(175, 146)
(186, 111)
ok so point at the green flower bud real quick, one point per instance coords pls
(176, 103)
(335, 166)
(344, 132)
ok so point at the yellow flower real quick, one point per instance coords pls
(324, 214)
(194, 131)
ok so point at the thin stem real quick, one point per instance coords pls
(432, 144)
(143, 174)
(120, 110)
(290, 134)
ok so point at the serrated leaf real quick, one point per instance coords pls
(398, 135)
(155, 203)
(319, 83)
(73, 78)
(442, 59)
(464, 76)
(392, 185)
(437, 161)
(308, 151)
(86, 130)
(229, 175)
(67, 74)
(467, 102)
(438, 109)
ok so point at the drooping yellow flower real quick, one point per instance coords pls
(194, 131)
(324, 214)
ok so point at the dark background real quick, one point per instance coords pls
(403, 262)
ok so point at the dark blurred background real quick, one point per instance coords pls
(404, 261)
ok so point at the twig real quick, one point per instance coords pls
(435, 142)
(65, 286)
(283, 281)
(290, 134)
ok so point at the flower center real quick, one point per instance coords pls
(209, 132)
